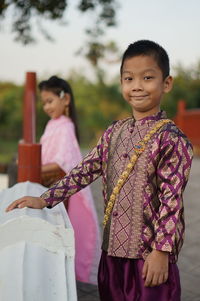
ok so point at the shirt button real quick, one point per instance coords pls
(115, 213)
(125, 155)
(131, 131)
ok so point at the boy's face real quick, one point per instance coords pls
(143, 85)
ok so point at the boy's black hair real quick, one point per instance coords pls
(149, 48)
(55, 85)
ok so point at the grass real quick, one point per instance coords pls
(7, 150)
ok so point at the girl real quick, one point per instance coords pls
(60, 153)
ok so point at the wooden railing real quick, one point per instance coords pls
(189, 123)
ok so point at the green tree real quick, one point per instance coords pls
(26, 10)
(186, 86)
(10, 110)
(10, 120)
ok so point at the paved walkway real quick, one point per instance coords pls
(189, 259)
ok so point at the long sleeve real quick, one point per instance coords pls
(81, 175)
(172, 176)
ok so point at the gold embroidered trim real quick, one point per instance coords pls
(138, 149)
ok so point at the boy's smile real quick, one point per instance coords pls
(143, 85)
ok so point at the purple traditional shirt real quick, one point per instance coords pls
(148, 211)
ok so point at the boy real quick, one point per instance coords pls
(144, 162)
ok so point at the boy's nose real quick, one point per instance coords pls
(136, 85)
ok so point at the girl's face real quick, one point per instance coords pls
(53, 105)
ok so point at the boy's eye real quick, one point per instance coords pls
(128, 78)
(148, 77)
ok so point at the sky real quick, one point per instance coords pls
(174, 24)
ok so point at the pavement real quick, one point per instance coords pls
(189, 258)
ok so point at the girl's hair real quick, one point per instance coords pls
(58, 85)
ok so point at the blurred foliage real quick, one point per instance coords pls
(98, 104)
(95, 50)
(10, 119)
(25, 11)
(186, 86)
(10, 111)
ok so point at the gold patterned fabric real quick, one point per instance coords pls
(137, 151)
(148, 211)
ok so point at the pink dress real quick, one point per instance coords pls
(59, 145)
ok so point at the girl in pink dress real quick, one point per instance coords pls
(60, 153)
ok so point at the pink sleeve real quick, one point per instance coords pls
(66, 149)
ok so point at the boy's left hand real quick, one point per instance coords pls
(155, 269)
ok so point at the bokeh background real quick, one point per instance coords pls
(82, 48)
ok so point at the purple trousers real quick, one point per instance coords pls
(120, 279)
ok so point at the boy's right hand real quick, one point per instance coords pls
(27, 201)
(155, 269)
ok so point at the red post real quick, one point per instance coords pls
(29, 108)
(29, 162)
(29, 152)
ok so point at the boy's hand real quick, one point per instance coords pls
(155, 269)
(27, 201)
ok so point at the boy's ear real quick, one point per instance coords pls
(168, 84)
(67, 98)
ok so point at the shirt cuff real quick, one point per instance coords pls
(162, 246)
(49, 202)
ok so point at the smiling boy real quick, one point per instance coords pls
(144, 162)
(143, 85)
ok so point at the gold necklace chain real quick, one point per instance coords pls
(138, 149)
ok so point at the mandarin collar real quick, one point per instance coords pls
(155, 117)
